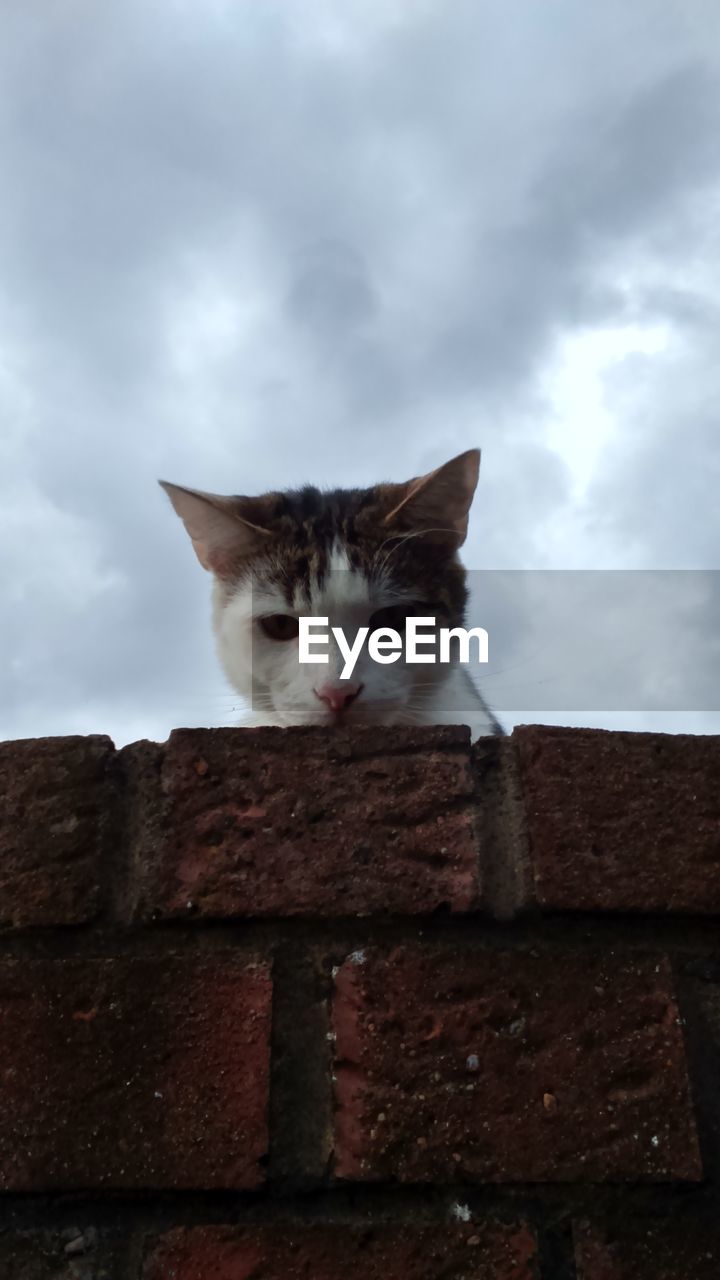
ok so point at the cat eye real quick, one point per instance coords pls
(280, 626)
(396, 615)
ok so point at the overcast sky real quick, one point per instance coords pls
(251, 245)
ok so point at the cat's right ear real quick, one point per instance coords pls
(439, 502)
(221, 532)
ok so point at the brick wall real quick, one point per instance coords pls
(276, 1004)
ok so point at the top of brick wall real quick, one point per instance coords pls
(536, 1101)
(232, 823)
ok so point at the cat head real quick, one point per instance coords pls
(358, 557)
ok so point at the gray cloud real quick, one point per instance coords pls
(251, 246)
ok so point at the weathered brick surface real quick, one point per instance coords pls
(674, 1248)
(473, 1251)
(75, 1253)
(55, 800)
(300, 822)
(133, 1073)
(139, 1062)
(496, 1067)
(622, 821)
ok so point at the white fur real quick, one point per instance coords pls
(281, 690)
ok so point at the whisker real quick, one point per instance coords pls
(400, 540)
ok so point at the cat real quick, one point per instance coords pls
(357, 557)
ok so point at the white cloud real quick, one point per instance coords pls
(248, 246)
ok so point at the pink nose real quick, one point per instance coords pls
(338, 697)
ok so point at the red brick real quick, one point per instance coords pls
(301, 822)
(622, 821)
(509, 1066)
(133, 1073)
(55, 799)
(473, 1251)
(674, 1249)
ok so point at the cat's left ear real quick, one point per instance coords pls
(225, 532)
(439, 502)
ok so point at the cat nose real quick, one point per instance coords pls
(338, 697)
